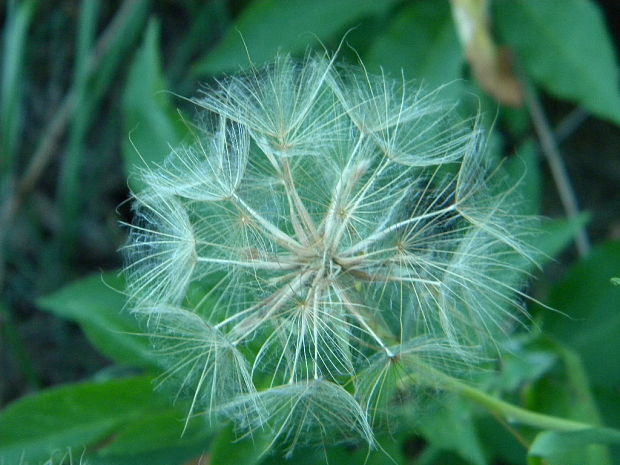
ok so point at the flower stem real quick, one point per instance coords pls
(558, 169)
(512, 413)
(509, 411)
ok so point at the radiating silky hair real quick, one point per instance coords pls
(327, 239)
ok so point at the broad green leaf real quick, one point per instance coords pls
(160, 429)
(71, 416)
(555, 235)
(551, 236)
(590, 318)
(454, 414)
(164, 456)
(609, 400)
(547, 237)
(268, 26)
(567, 393)
(586, 409)
(231, 449)
(566, 48)
(421, 41)
(150, 120)
(500, 442)
(526, 358)
(566, 448)
(159, 437)
(515, 120)
(97, 304)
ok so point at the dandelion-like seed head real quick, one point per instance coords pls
(327, 234)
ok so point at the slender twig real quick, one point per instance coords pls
(554, 159)
(570, 124)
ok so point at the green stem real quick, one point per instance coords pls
(509, 411)
(512, 412)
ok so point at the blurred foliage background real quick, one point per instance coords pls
(86, 86)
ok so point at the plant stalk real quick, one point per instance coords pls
(510, 412)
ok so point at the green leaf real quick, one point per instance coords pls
(268, 26)
(97, 304)
(567, 448)
(500, 442)
(567, 393)
(553, 236)
(72, 416)
(151, 121)
(158, 429)
(549, 237)
(163, 456)
(526, 358)
(590, 322)
(229, 449)
(421, 41)
(159, 437)
(120, 422)
(454, 414)
(566, 48)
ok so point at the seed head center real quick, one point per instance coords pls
(326, 265)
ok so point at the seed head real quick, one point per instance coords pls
(325, 233)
